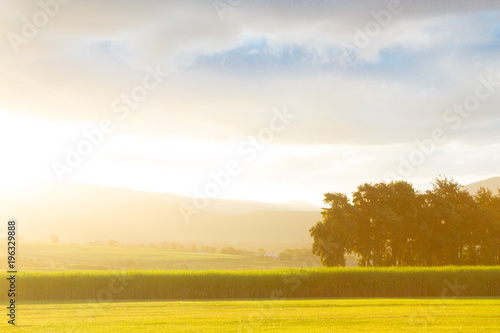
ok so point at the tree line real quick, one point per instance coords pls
(393, 224)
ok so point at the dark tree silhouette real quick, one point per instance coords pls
(392, 224)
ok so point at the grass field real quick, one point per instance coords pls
(67, 257)
(305, 315)
(290, 283)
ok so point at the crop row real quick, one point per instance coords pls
(443, 282)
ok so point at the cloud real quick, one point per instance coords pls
(228, 75)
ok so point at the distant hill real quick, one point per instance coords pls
(64, 193)
(492, 183)
(82, 213)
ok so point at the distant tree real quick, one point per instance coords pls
(261, 252)
(230, 250)
(208, 249)
(113, 243)
(54, 239)
(174, 246)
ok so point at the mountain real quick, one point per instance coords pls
(89, 194)
(492, 183)
(82, 213)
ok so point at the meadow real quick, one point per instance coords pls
(305, 315)
(39, 256)
(265, 284)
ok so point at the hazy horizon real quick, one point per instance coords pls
(491, 183)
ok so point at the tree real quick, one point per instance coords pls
(387, 215)
(455, 215)
(392, 224)
(335, 234)
(372, 200)
(261, 252)
(489, 244)
(113, 243)
(54, 239)
(230, 250)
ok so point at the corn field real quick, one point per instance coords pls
(446, 282)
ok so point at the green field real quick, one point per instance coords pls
(264, 284)
(322, 315)
(450, 299)
(66, 257)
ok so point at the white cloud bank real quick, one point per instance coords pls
(356, 117)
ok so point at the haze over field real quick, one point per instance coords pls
(128, 216)
(131, 217)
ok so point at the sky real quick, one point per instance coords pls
(261, 100)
